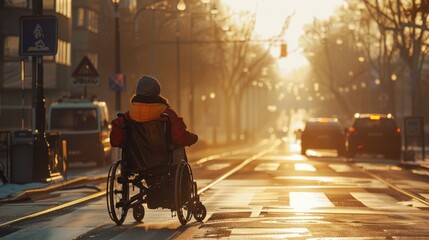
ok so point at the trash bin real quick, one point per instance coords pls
(22, 156)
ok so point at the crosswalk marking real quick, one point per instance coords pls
(413, 203)
(219, 166)
(267, 167)
(231, 197)
(304, 167)
(309, 200)
(380, 201)
(340, 167)
(407, 184)
(425, 195)
(228, 195)
(269, 233)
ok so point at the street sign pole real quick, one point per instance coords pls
(38, 37)
(41, 155)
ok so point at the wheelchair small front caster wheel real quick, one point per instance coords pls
(138, 213)
(200, 212)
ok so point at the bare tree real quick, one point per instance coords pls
(241, 59)
(408, 23)
(377, 47)
(333, 58)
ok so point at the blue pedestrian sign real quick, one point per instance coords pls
(38, 36)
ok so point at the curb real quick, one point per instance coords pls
(414, 165)
(26, 195)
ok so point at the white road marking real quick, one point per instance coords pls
(304, 167)
(309, 200)
(413, 203)
(425, 195)
(340, 167)
(267, 167)
(380, 201)
(269, 233)
(232, 196)
(380, 167)
(218, 166)
(409, 184)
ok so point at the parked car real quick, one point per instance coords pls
(323, 133)
(374, 134)
(84, 124)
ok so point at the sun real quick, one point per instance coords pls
(271, 14)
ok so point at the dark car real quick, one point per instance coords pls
(323, 133)
(374, 134)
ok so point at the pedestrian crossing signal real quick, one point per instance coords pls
(283, 50)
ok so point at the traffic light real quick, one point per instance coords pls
(283, 50)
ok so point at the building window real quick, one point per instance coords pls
(49, 4)
(80, 18)
(16, 3)
(132, 5)
(92, 21)
(87, 18)
(11, 45)
(94, 59)
(64, 7)
(12, 74)
(63, 54)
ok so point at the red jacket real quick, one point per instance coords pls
(143, 112)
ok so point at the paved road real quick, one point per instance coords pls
(276, 195)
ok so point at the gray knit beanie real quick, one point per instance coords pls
(148, 86)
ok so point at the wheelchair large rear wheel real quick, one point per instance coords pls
(117, 193)
(183, 193)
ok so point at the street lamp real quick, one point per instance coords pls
(181, 6)
(117, 54)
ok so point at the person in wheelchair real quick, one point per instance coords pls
(153, 140)
(147, 105)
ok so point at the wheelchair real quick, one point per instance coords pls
(156, 171)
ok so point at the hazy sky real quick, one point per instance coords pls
(271, 15)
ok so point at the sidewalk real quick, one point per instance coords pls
(414, 158)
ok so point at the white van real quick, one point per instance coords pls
(84, 124)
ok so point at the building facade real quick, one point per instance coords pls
(85, 28)
(16, 94)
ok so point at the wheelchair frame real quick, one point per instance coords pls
(175, 180)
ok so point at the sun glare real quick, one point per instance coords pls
(271, 15)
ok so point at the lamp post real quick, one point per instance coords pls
(208, 104)
(117, 54)
(181, 6)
